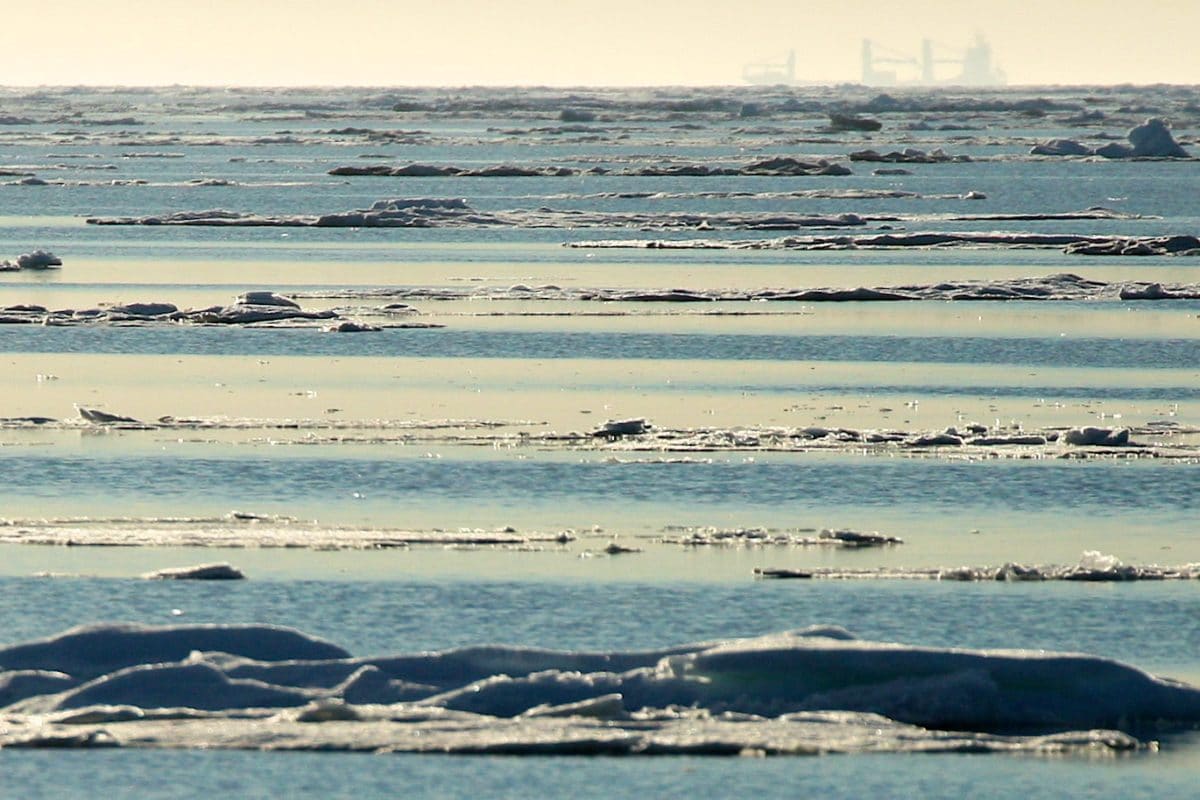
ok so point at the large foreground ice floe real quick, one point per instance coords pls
(801, 692)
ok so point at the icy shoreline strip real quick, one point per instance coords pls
(1054, 287)
(457, 213)
(269, 533)
(770, 167)
(1093, 567)
(453, 213)
(386, 730)
(1072, 244)
(250, 309)
(1157, 439)
(276, 311)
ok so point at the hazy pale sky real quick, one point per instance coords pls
(571, 42)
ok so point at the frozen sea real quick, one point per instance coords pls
(434, 483)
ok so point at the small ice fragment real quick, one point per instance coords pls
(1096, 437)
(328, 709)
(200, 572)
(38, 259)
(143, 309)
(623, 427)
(99, 417)
(350, 326)
(1102, 562)
(262, 298)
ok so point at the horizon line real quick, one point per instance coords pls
(584, 86)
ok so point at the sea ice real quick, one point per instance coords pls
(350, 326)
(99, 417)
(143, 309)
(200, 572)
(38, 259)
(853, 122)
(614, 429)
(814, 670)
(90, 651)
(265, 298)
(1092, 566)
(807, 691)
(1151, 139)
(1090, 436)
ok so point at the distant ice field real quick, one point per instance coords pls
(570, 365)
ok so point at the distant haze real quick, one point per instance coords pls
(570, 42)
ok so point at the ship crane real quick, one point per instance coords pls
(871, 74)
(929, 63)
(883, 66)
(974, 63)
(772, 72)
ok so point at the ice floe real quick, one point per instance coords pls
(89, 652)
(1151, 139)
(780, 165)
(240, 530)
(251, 308)
(1153, 439)
(1071, 243)
(100, 417)
(36, 260)
(456, 213)
(351, 326)
(909, 155)
(191, 183)
(852, 122)
(1058, 286)
(1090, 436)
(200, 572)
(707, 536)
(1093, 567)
(799, 194)
(1145, 246)
(615, 429)
(800, 692)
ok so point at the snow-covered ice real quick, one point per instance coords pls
(810, 690)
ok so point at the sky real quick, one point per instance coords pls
(576, 43)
